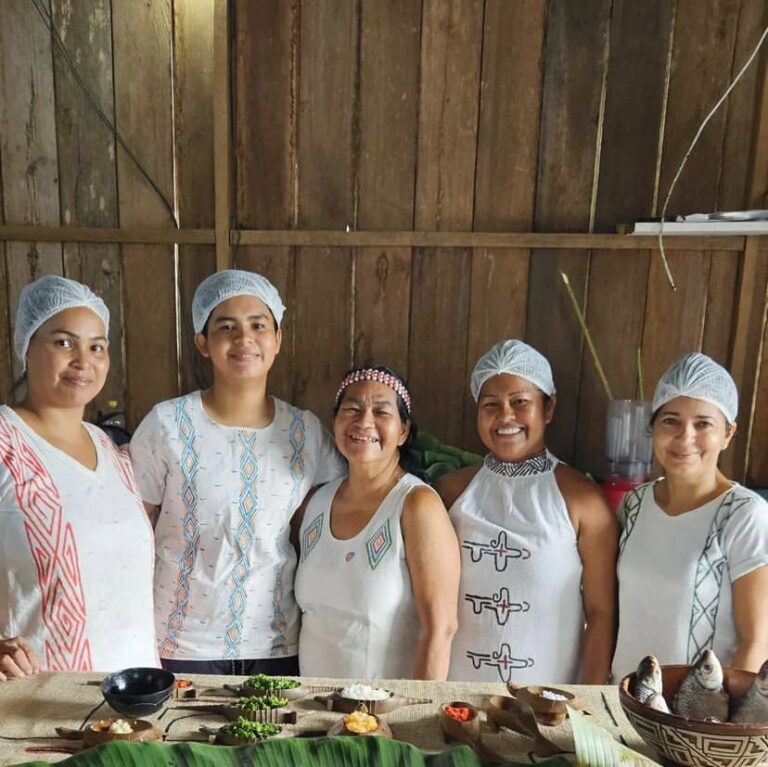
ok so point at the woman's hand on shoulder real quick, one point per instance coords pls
(450, 486)
(17, 659)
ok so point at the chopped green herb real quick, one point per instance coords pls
(254, 703)
(266, 682)
(253, 731)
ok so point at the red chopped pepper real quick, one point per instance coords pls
(459, 713)
(181, 683)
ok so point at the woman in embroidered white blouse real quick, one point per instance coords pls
(693, 561)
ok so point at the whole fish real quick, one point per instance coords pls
(701, 694)
(753, 705)
(648, 684)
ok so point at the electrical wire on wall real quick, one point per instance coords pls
(704, 122)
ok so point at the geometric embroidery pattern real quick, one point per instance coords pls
(311, 536)
(500, 603)
(241, 568)
(190, 464)
(297, 438)
(498, 548)
(378, 545)
(628, 511)
(708, 581)
(54, 551)
(537, 464)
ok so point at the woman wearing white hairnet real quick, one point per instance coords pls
(538, 586)
(75, 541)
(223, 471)
(694, 545)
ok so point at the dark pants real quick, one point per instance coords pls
(236, 667)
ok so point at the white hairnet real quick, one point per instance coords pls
(699, 377)
(42, 299)
(514, 358)
(229, 283)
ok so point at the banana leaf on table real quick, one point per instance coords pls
(287, 752)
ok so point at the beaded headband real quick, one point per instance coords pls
(377, 376)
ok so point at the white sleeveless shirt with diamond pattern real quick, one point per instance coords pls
(521, 616)
(359, 618)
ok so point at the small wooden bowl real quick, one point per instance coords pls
(546, 710)
(695, 742)
(98, 732)
(223, 738)
(455, 731)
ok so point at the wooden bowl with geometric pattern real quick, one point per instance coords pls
(695, 742)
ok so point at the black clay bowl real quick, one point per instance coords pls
(138, 691)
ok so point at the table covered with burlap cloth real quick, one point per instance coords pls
(32, 707)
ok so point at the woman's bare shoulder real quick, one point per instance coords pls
(451, 486)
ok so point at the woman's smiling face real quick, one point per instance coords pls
(688, 436)
(512, 416)
(367, 426)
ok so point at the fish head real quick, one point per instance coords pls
(649, 673)
(709, 672)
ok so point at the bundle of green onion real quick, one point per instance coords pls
(251, 731)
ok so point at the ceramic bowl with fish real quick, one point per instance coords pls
(696, 742)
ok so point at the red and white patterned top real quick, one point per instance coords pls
(77, 553)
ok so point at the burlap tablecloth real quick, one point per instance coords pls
(31, 708)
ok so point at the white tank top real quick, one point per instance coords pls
(359, 619)
(521, 616)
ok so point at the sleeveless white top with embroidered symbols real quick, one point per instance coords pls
(521, 615)
(358, 619)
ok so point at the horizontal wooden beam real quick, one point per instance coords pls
(324, 238)
(329, 238)
(134, 236)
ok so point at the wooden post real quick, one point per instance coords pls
(221, 134)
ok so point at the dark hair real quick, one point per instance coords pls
(409, 458)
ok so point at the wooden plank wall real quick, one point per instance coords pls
(398, 115)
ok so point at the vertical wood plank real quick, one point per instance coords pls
(634, 100)
(745, 457)
(701, 69)
(265, 94)
(389, 96)
(27, 145)
(722, 295)
(573, 78)
(193, 93)
(505, 182)
(144, 117)
(438, 340)
(326, 197)
(674, 321)
(757, 189)
(87, 180)
(739, 148)
(221, 133)
(447, 146)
